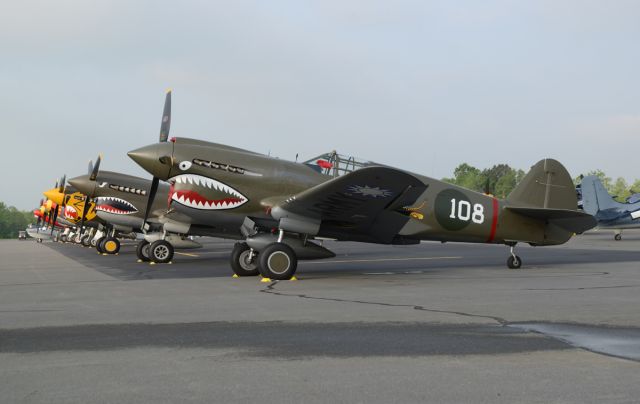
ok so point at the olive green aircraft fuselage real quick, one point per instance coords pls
(245, 195)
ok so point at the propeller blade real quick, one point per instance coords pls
(90, 168)
(63, 184)
(96, 168)
(152, 195)
(85, 210)
(166, 118)
(55, 217)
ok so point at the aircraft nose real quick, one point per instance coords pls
(54, 195)
(155, 158)
(83, 184)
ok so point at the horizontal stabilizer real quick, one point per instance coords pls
(573, 221)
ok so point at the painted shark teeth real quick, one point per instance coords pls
(70, 212)
(117, 206)
(192, 199)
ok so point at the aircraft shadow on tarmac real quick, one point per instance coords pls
(352, 259)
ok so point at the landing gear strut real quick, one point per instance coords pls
(244, 260)
(514, 262)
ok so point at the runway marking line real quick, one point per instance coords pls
(384, 260)
(187, 254)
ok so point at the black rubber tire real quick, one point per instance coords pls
(142, 251)
(161, 252)
(239, 263)
(278, 261)
(617, 237)
(111, 245)
(514, 263)
(86, 240)
(99, 245)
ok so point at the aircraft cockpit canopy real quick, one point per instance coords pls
(335, 164)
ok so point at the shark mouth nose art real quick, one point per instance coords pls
(113, 205)
(198, 192)
(70, 212)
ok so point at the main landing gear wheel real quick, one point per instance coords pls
(99, 243)
(63, 238)
(86, 241)
(278, 261)
(142, 251)
(160, 252)
(514, 262)
(244, 262)
(111, 245)
(93, 242)
(617, 237)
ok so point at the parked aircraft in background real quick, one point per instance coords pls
(609, 213)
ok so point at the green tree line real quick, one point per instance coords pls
(500, 180)
(13, 220)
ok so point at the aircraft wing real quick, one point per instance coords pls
(364, 205)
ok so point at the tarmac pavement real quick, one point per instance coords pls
(433, 322)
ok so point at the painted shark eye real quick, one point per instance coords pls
(184, 165)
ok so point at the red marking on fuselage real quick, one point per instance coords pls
(494, 220)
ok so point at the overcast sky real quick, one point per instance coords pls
(421, 85)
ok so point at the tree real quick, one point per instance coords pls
(620, 189)
(498, 180)
(12, 220)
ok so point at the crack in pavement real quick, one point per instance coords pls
(270, 289)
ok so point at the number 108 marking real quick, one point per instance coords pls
(462, 210)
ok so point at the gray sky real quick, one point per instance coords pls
(422, 85)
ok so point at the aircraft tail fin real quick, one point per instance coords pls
(595, 197)
(547, 193)
(547, 185)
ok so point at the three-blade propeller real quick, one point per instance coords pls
(165, 126)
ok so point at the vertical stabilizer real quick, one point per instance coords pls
(547, 185)
(595, 197)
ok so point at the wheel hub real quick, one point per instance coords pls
(279, 262)
(160, 252)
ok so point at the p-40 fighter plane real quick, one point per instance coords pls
(75, 211)
(279, 207)
(609, 213)
(121, 199)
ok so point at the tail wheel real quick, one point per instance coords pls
(243, 261)
(142, 250)
(278, 261)
(111, 245)
(514, 262)
(618, 237)
(160, 252)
